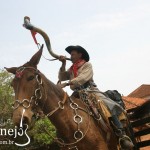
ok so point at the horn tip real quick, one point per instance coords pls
(26, 17)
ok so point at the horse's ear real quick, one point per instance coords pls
(36, 57)
(11, 70)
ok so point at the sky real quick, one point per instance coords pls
(116, 33)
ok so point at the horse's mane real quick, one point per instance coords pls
(141, 111)
(51, 86)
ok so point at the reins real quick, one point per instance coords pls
(60, 105)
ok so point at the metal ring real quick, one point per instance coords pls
(40, 82)
(36, 95)
(76, 117)
(36, 103)
(74, 106)
(80, 134)
(26, 100)
(98, 118)
(18, 103)
(61, 105)
(32, 98)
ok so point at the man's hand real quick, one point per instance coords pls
(63, 85)
(62, 59)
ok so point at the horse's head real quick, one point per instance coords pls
(27, 87)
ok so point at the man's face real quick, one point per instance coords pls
(75, 56)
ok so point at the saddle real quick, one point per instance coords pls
(96, 105)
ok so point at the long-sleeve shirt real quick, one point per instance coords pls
(84, 74)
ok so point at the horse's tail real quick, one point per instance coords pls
(141, 111)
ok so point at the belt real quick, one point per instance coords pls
(85, 85)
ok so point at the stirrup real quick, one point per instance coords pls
(124, 137)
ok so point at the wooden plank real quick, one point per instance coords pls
(143, 143)
(142, 132)
(140, 122)
(130, 110)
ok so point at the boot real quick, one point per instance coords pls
(124, 141)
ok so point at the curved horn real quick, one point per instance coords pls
(29, 26)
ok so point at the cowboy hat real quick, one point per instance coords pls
(80, 49)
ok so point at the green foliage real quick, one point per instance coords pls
(43, 131)
(6, 94)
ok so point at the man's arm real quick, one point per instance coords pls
(63, 74)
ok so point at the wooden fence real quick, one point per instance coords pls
(141, 132)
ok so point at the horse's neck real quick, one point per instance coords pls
(52, 94)
(55, 94)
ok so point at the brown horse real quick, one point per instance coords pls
(75, 126)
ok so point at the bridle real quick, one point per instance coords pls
(26, 103)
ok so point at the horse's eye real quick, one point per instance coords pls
(30, 78)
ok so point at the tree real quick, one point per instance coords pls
(6, 95)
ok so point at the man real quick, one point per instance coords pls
(80, 72)
(80, 76)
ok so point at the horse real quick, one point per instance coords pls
(76, 128)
